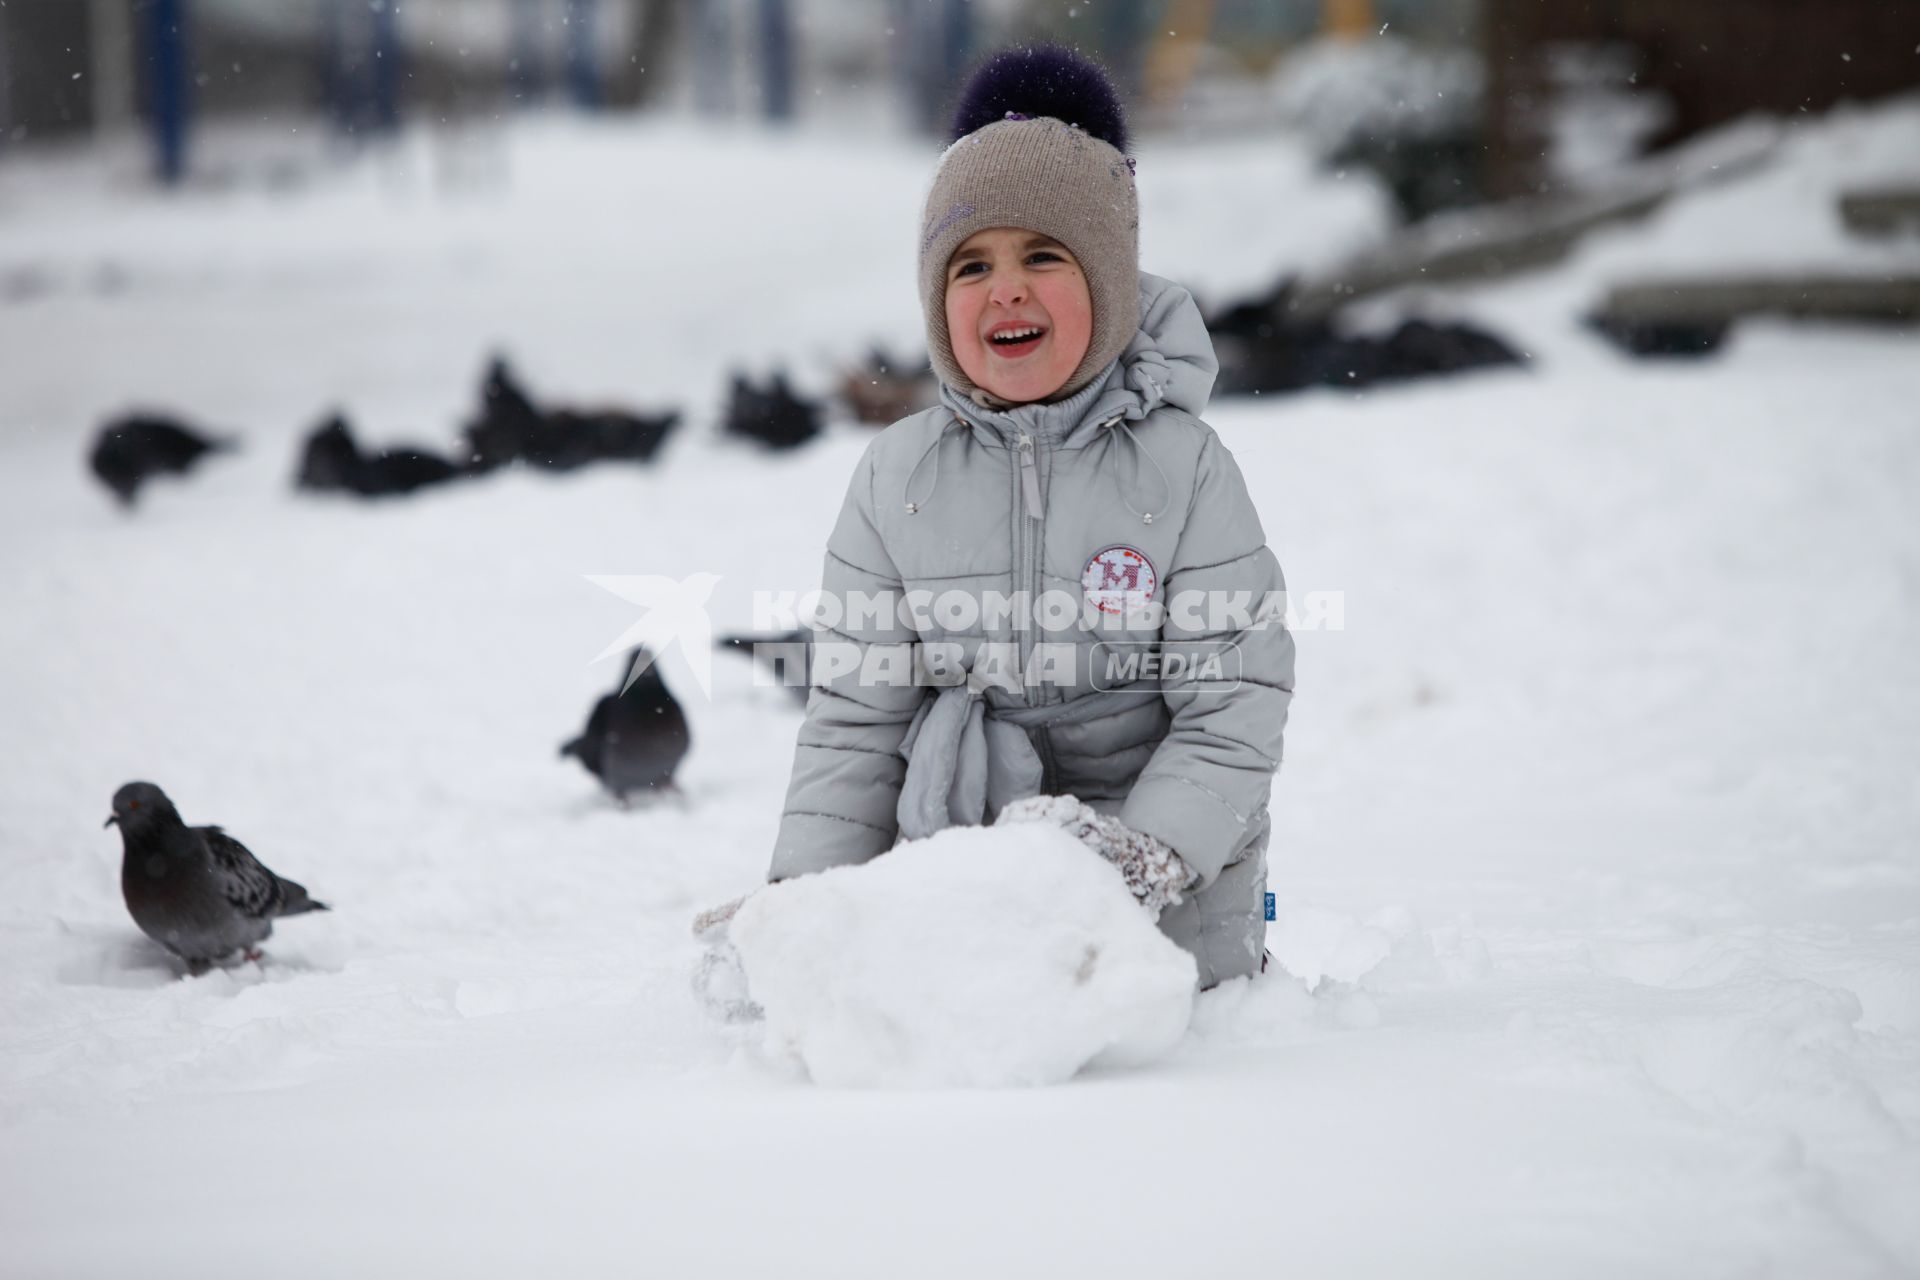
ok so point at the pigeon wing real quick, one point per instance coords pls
(248, 886)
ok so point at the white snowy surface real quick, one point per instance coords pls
(1595, 847)
(1784, 219)
(983, 957)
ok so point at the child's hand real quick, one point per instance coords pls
(1154, 873)
(710, 926)
(718, 980)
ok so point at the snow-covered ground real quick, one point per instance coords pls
(1595, 847)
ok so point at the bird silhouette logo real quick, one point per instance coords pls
(673, 611)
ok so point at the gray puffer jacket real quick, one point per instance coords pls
(1119, 489)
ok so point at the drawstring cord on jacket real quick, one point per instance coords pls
(1166, 485)
(932, 450)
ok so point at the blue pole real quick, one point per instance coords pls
(776, 59)
(526, 73)
(583, 70)
(333, 65)
(956, 40)
(1122, 29)
(387, 68)
(712, 57)
(167, 60)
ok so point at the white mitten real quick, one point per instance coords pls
(719, 980)
(1153, 871)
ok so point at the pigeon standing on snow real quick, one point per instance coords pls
(196, 891)
(887, 389)
(774, 416)
(333, 460)
(511, 429)
(131, 451)
(636, 736)
(508, 424)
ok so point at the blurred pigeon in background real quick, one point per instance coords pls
(508, 424)
(1269, 344)
(573, 438)
(636, 736)
(132, 450)
(886, 389)
(332, 461)
(511, 428)
(773, 415)
(196, 891)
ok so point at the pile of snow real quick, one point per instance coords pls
(979, 957)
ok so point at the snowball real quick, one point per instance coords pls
(979, 957)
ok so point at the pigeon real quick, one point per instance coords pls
(132, 450)
(196, 891)
(508, 425)
(885, 390)
(787, 654)
(775, 416)
(1265, 345)
(1661, 337)
(332, 462)
(573, 438)
(635, 738)
(512, 429)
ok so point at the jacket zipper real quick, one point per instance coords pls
(1030, 479)
(1035, 530)
(1043, 740)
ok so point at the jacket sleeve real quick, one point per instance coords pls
(1208, 781)
(847, 769)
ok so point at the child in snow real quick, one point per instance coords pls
(1065, 461)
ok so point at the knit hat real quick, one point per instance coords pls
(1039, 143)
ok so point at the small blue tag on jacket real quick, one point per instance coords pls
(1269, 906)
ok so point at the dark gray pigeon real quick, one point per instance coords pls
(333, 460)
(774, 416)
(196, 891)
(634, 740)
(132, 450)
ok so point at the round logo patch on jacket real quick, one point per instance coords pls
(1119, 580)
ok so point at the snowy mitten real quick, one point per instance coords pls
(1153, 871)
(710, 927)
(719, 980)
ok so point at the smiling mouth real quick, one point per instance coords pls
(1015, 340)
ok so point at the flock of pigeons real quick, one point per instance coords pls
(508, 430)
(1264, 345)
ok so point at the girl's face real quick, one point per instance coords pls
(1018, 313)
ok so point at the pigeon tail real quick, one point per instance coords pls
(296, 902)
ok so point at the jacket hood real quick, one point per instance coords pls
(1170, 361)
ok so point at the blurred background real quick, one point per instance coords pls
(1464, 100)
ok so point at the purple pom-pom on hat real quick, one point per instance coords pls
(1042, 80)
